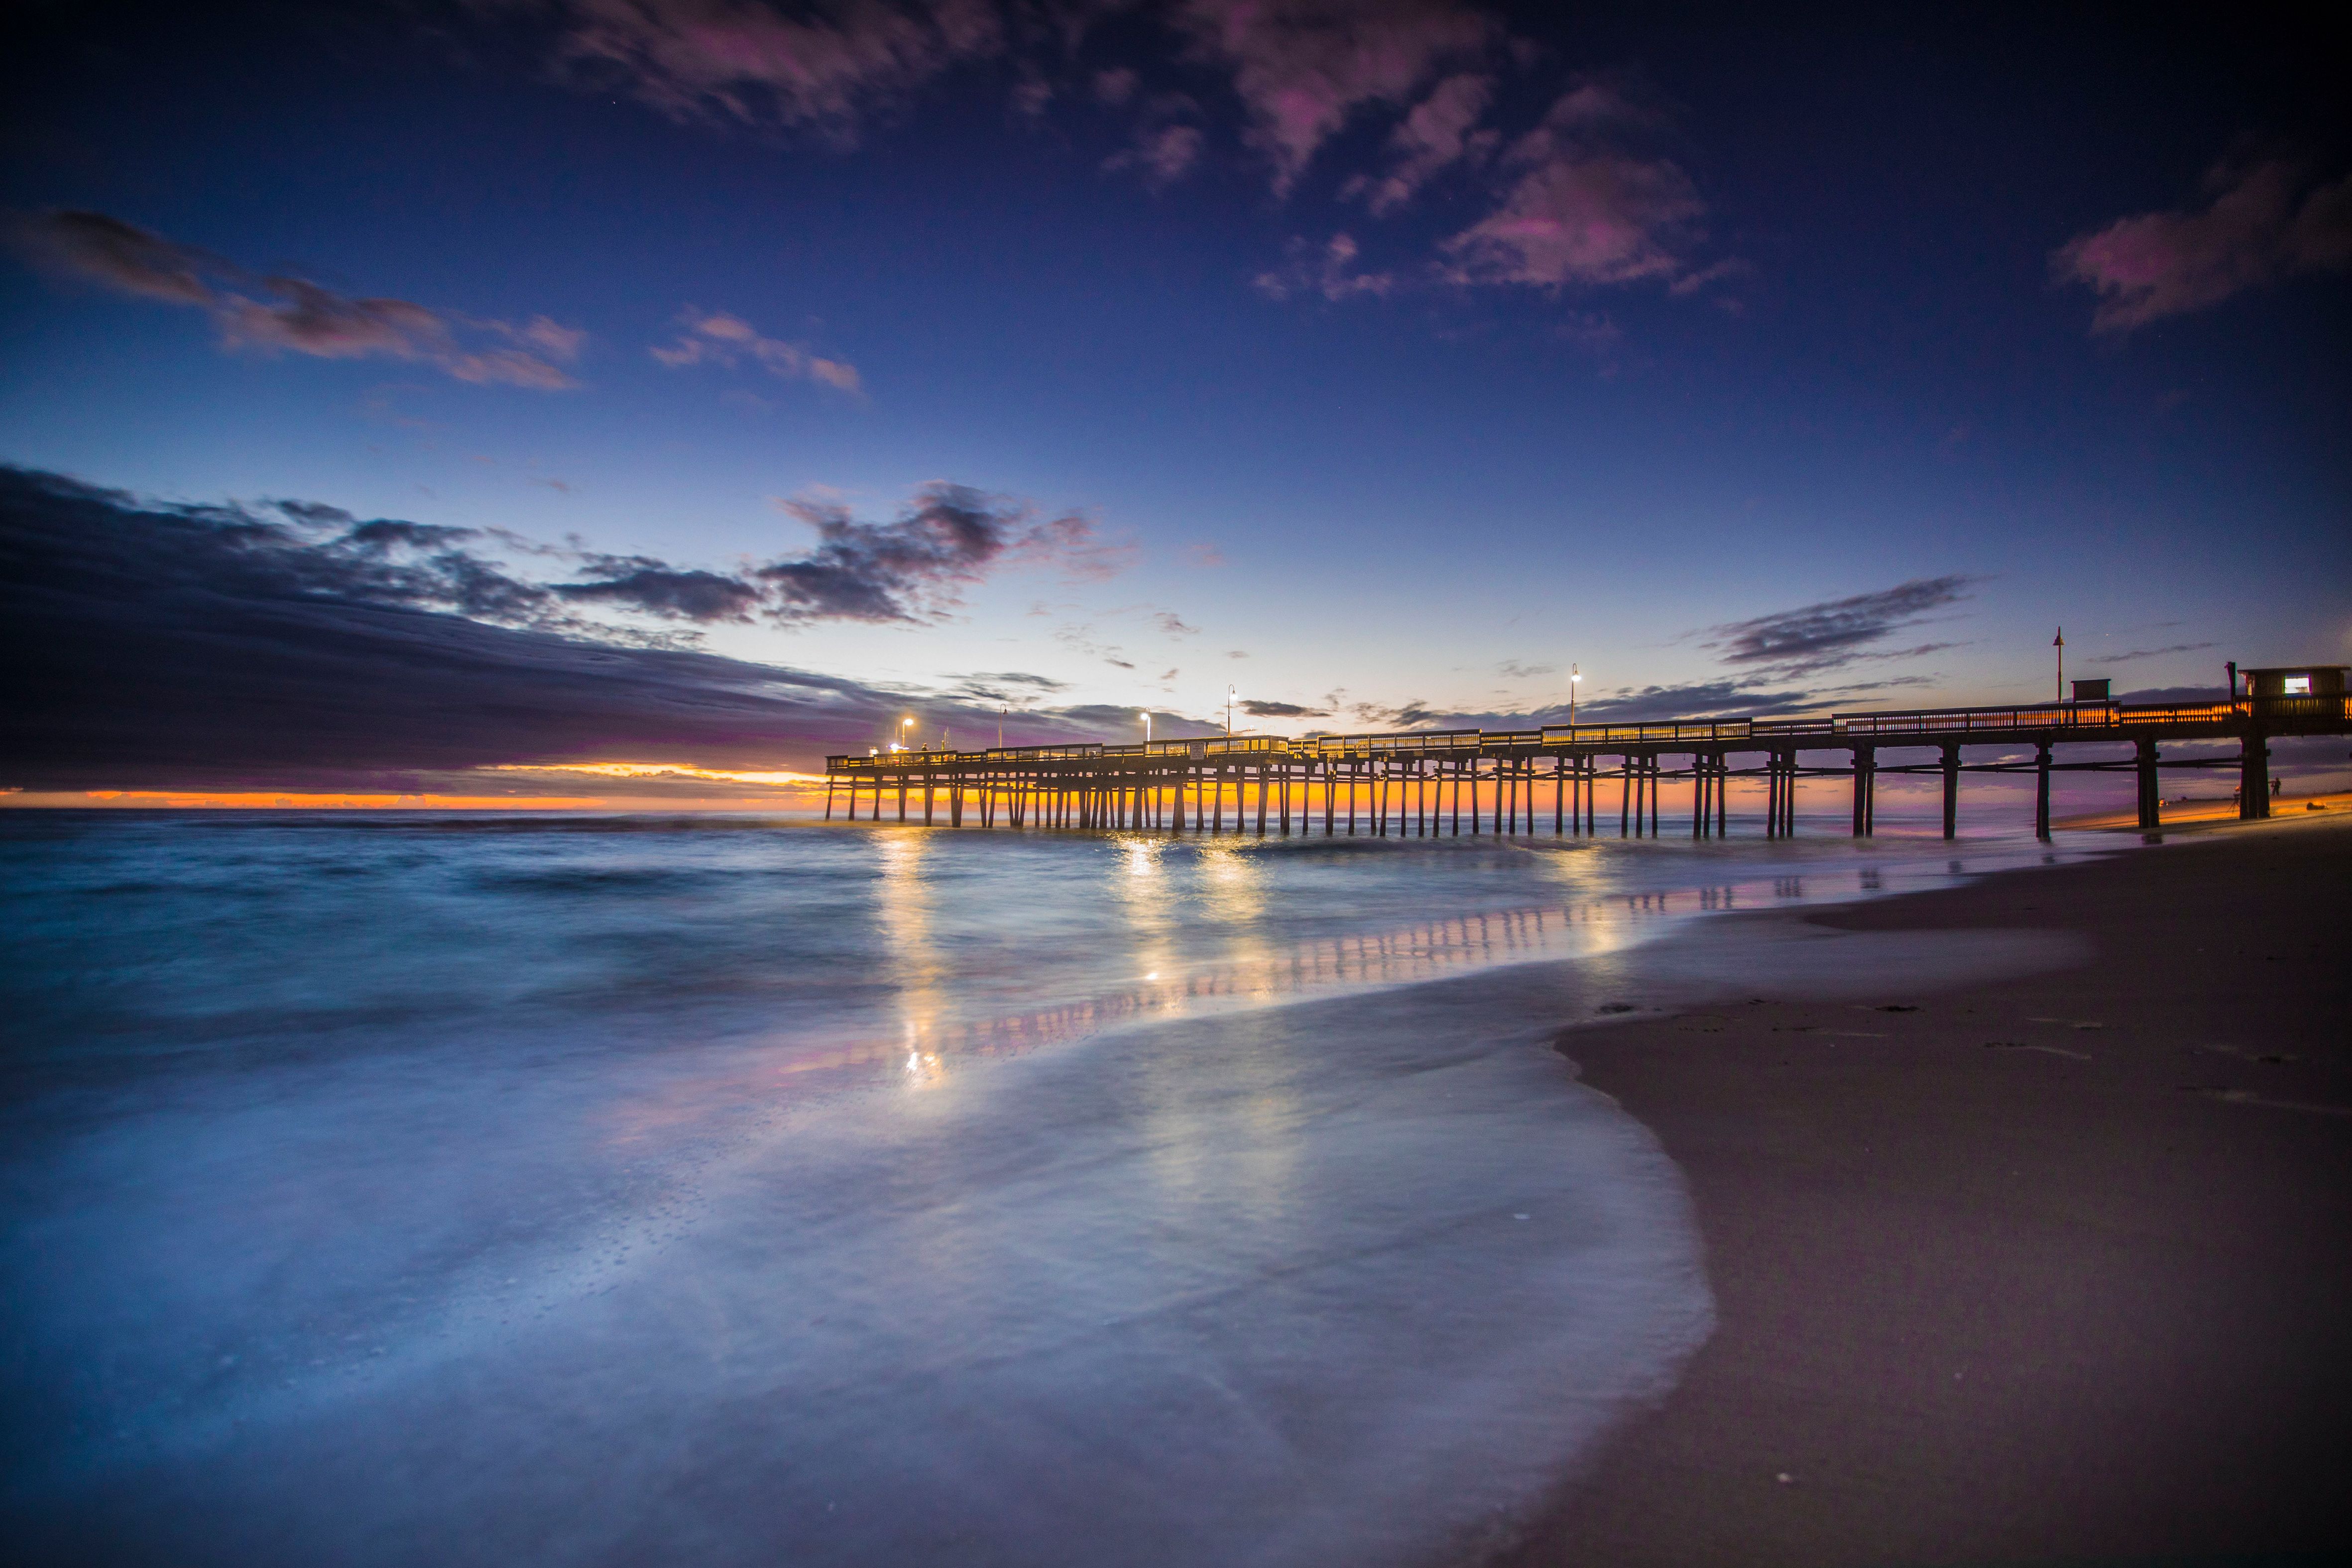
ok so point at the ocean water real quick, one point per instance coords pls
(393, 1188)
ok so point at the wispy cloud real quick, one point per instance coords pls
(1696, 699)
(2261, 222)
(274, 313)
(1164, 153)
(825, 70)
(716, 337)
(1440, 131)
(1004, 688)
(1584, 208)
(2151, 653)
(1835, 633)
(1328, 269)
(1303, 68)
(1256, 709)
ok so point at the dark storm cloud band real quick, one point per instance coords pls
(179, 647)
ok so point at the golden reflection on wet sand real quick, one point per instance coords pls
(1252, 972)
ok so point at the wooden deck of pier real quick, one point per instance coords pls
(1428, 782)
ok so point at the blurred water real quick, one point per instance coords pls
(390, 1187)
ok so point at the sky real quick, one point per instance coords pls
(464, 401)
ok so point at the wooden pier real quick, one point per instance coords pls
(1568, 779)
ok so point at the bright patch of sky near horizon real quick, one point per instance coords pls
(1445, 492)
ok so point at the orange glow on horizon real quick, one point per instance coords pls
(275, 799)
(767, 791)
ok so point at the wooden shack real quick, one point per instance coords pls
(2296, 680)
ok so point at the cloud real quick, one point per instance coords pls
(1835, 633)
(2261, 222)
(1327, 270)
(1701, 699)
(1303, 68)
(1257, 709)
(1204, 555)
(1124, 725)
(1439, 133)
(1004, 688)
(1517, 672)
(289, 646)
(716, 337)
(1114, 87)
(651, 588)
(2151, 653)
(1168, 621)
(1583, 209)
(1165, 155)
(294, 315)
(826, 70)
(913, 568)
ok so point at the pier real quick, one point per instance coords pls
(1564, 780)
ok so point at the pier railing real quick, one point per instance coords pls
(2040, 721)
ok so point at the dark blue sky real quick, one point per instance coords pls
(1393, 357)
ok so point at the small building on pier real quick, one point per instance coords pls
(2296, 680)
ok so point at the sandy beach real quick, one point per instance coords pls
(2050, 1269)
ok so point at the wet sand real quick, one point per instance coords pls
(2207, 811)
(2050, 1269)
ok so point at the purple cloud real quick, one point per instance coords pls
(742, 61)
(1304, 68)
(1439, 133)
(2261, 222)
(294, 315)
(1164, 155)
(717, 337)
(1328, 269)
(1580, 208)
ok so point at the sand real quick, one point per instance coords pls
(2205, 810)
(2048, 1270)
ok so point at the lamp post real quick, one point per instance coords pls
(1146, 726)
(1229, 713)
(1575, 677)
(905, 725)
(2060, 643)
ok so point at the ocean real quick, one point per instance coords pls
(389, 1188)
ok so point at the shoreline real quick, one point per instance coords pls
(2047, 1268)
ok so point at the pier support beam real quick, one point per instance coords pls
(2041, 791)
(2255, 778)
(1865, 789)
(2151, 813)
(1951, 791)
